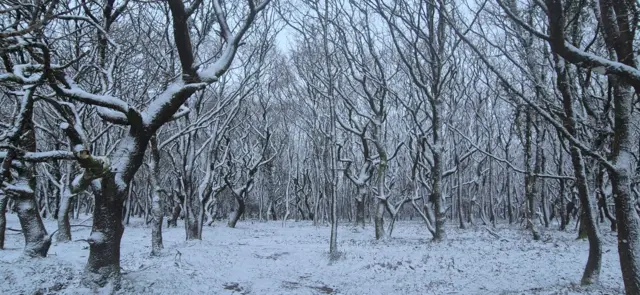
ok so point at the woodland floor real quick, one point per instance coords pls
(264, 258)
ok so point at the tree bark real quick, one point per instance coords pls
(529, 178)
(333, 239)
(236, 214)
(436, 196)
(37, 242)
(4, 200)
(509, 202)
(626, 216)
(103, 265)
(360, 207)
(156, 200)
(191, 223)
(592, 270)
(459, 197)
(175, 212)
(379, 218)
(492, 210)
(64, 226)
(561, 194)
(602, 200)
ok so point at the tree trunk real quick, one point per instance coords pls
(561, 194)
(529, 178)
(360, 207)
(64, 226)
(129, 211)
(333, 240)
(236, 214)
(592, 269)
(37, 242)
(492, 210)
(379, 218)
(271, 211)
(626, 216)
(4, 200)
(175, 212)
(436, 196)
(545, 207)
(541, 183)
(602, 200)
(509, 202)
(104, 243)
(156, 199)
(156, 226)
(200, 220)
(191, 223)
(628, 232)
(211, 213)
(459, 197)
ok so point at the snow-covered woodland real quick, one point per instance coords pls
(319, 147)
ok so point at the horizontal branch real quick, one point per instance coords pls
(42, 156)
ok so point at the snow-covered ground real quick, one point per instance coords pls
(265, 258)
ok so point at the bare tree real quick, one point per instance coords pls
(111, 176)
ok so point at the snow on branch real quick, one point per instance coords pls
(112, 116)
(574, 54)
(546, 115)
(93, 167)
(160, 109)
(18, 189)
(76, 93)
(211, 73)
(42, 156)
